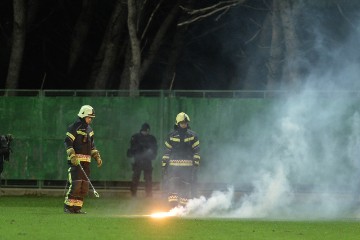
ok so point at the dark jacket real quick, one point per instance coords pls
(143, 147)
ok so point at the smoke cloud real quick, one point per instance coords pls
(304, 164)
(305, 161)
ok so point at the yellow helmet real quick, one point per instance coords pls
(86, 111)
(181, 117)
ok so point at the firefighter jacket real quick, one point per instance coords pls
(143, 147)
(182, 148)
(80, 137)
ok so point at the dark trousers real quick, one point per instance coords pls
(1, 164)
(3, 157)
(138, 167)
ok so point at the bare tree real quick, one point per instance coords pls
(254, 78)
(276, 51)
(80, 33)
(111, 47)
(135, 62)
(288, 14)
(140, 59)
(221, 6)
(158, 39)
(125, 75)
(169, 75)
(18, 44)
(192, 16)
(283, 64)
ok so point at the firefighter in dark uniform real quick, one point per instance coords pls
(80, 147)
(180, 161)
(143, 148)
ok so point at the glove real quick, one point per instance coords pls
(196, 163)
(72, 157)
(99, 162)
(196, 160)
(74, 160)
(165, 161)
(95, 154)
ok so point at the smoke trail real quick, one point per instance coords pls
(218, 204)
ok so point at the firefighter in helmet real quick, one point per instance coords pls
(180, 161)
(80, 147)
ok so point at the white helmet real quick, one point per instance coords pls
(86, 111)
(181, 117)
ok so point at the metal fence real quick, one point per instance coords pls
(175, 93)
(38, 119)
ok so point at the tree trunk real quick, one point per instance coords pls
(125, 75)
(110, 48)
(80, 33)
(18, 43)
(169, 75)
(256, 79)
(135, 62)
(276, 50)
(170, 72)
(291, 65)
(158, 39)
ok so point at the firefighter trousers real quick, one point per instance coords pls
(78, 187)
(179, 181)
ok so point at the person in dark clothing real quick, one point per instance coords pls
(180, 161)
(80, 148)
(143, 149)
(5, 150)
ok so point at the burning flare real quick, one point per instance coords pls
(175, 212)
(162, 214)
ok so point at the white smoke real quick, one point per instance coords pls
(271, 194)
(301, 157)
(317, 149)
(218, 204)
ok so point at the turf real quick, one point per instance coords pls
(125, 218)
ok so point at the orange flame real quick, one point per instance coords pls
(162, 214)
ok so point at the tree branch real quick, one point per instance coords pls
(208, 11)
(150, 19)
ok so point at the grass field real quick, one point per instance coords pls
(125, 218)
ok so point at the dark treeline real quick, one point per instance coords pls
(178, 44)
